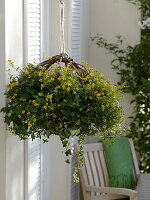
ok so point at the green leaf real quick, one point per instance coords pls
(68, 152)
(30, 90)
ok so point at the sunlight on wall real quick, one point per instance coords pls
(14, 147)
(2, 102)
(111, 18)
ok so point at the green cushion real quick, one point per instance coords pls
(119, 163)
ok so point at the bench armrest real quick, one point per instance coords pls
(112, 190)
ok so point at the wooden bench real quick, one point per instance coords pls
(94, 175)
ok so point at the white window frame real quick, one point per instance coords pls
(45, 51)
(72, 185)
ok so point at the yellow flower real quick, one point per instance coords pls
(76, 89)
(94, 128)
(69, 83)
(33, 101)
(27, 72)
(37, 129)
(93, 85)
(103, 106)
(101, 75)
(98, 94)
(22, 99)
(36, 104)
(104, 127)
(10, 61)
(104, 120)
(34, 120)
(52, 79)
(30, 125)
(68, 89)
(64, 84)
(19, 116)
(91, 74)
(58, 86)
(28, 113)
(40, 94)
(40, 73)
(45, 107)
(46, 114)
(48, 57)
(49, 96)
(40, 80)
(23, 111)
(66, 69)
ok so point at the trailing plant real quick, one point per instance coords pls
(61, 97)
(133, 66)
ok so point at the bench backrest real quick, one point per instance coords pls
(94, 172)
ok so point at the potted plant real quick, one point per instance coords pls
(61, 97)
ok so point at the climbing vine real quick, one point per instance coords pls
(132, 64)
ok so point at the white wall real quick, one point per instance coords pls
(2, 102)
(14, 147)
(111, 18)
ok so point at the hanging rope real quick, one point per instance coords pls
(62, 35)
(63, 56)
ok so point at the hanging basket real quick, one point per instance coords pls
(64, 98)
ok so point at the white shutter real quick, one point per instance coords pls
(34, 31)
(76, 30)
(76, 10)
(34, 163)
(34, 170)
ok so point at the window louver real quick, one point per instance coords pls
(76, 55)
(76, 30)
(34, 55)
(34, 170)
(34, 31)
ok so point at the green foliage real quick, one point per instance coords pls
(144, 6)
(133, 66)
(63, 101)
